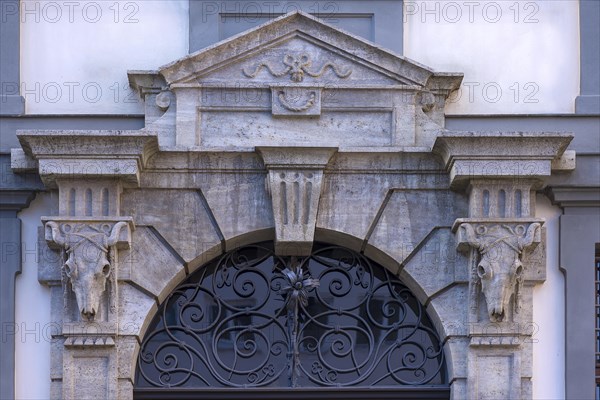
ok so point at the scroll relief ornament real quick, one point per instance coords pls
(297, 66)
(499, 269)
(88, 263)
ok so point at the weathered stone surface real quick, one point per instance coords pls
(436, 264)
(151, 265)
(334, 128)
(50, 261)
(90, 374)
(534, 258)
(502, 198)
(406, 221)
(135, 310)
(494, 374)
(57, 307)
(451, 306)
(56, 353)
(393, 232)
(56, 389)
(21, 162)
(349, 205)
(127, 349)
(241, 206)
(125, 389)
(457, 349)
(459, 389)
(93, 197)
(179, 216)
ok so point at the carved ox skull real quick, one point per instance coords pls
(87, 266)
(500, 269)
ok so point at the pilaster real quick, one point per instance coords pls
(90, 171)
(11, 202)
(16, 193)
(588, 101)
(505, 245)
(579, 240)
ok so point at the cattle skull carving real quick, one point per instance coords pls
(87, 267)
(499, 268)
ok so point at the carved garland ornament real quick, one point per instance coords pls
(499, 269)
(296, 67)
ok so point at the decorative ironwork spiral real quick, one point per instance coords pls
(253, 319)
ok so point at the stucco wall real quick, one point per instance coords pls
(33, 336)
(75, 55)
(548, 312)
(518, 57)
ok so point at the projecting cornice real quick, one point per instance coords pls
(89, 154)
(485, 155)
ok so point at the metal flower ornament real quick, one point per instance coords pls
(295, 291)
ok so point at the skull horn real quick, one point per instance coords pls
(114, 234)
(57, 235)
(470, 236)
(529, 237)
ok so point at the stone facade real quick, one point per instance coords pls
(294, 132)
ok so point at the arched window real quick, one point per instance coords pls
(254, 321)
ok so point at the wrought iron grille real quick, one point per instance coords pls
(253, 319)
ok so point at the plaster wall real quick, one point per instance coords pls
(75, 55)
(548, 314)
(34, 329)
(518, 57)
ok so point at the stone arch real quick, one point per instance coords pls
(414, 283)
(323, 236)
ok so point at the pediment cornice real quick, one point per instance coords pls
(299, 25)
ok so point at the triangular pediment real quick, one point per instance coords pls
(296, 48)
(294, 80)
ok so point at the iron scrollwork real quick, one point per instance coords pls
(253, 319)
